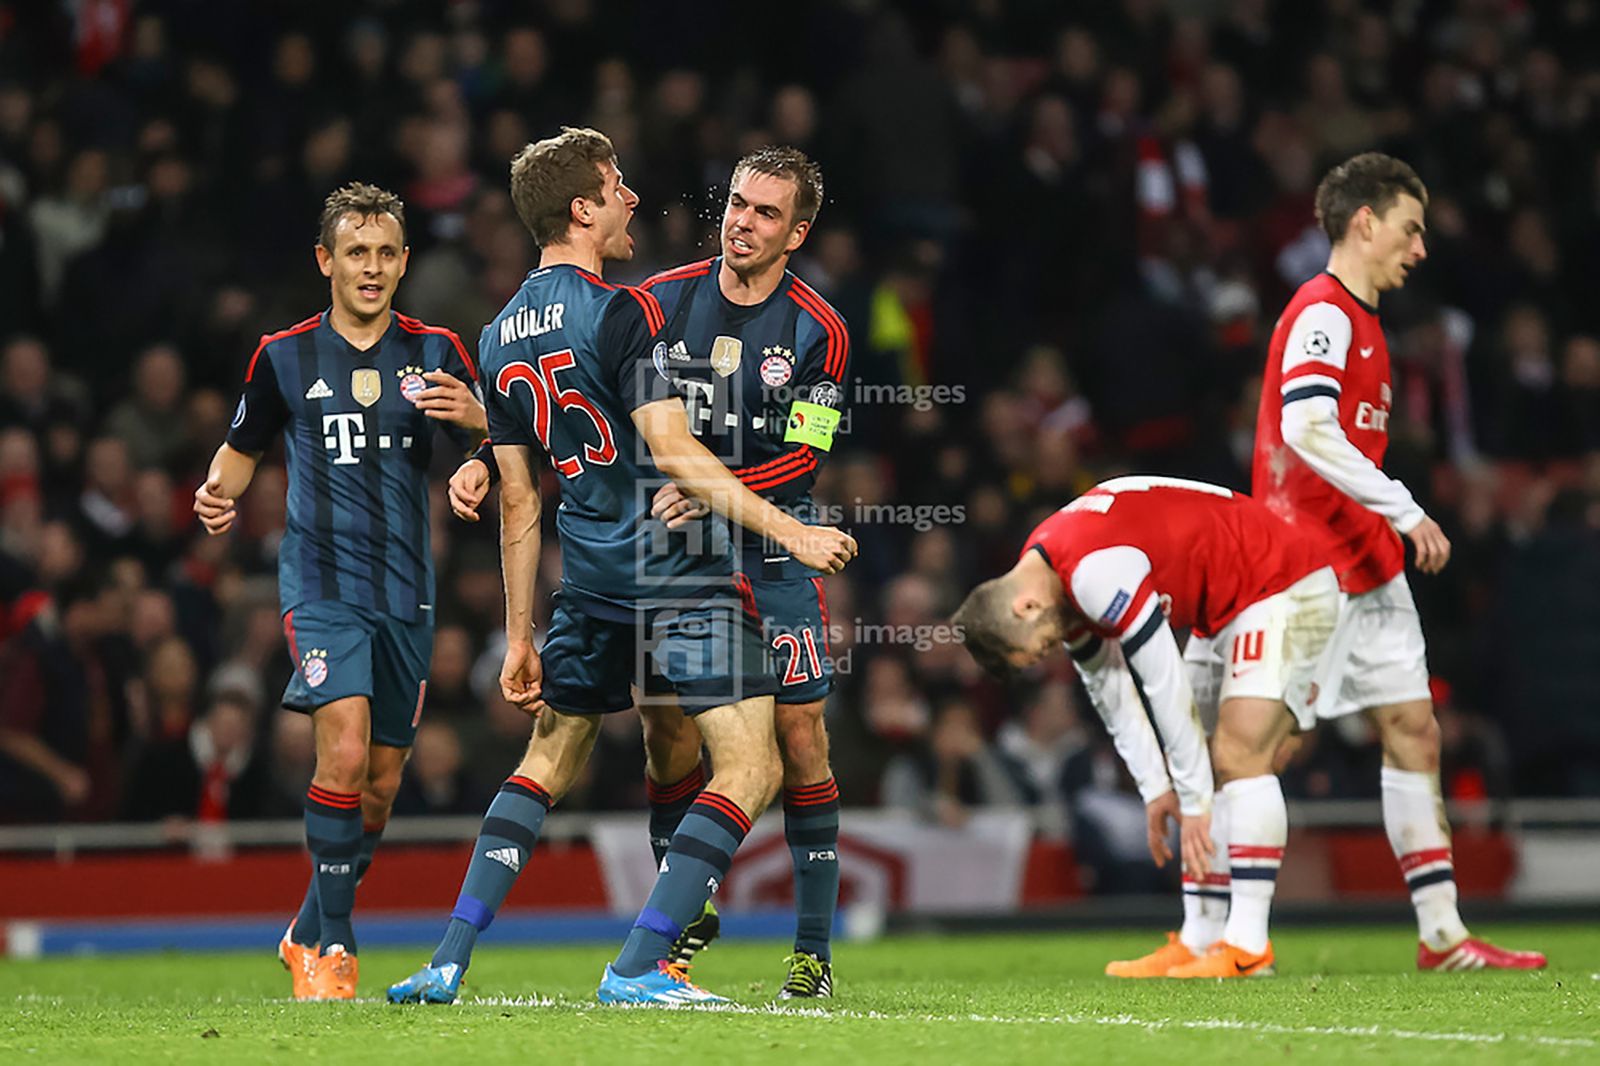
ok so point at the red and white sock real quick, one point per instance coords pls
(1205, 903)
(1258, 828)
(1413, 816)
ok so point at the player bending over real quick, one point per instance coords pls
(359, 389)
(1321, 434)
(1107, 574)
(576, 365)
(761, 361)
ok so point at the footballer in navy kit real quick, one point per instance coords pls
(765, 383)
(576, 368)
(356, 391)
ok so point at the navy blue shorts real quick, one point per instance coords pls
(341, 651)
(793, 613)
(700, 653)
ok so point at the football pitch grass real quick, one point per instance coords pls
(1342, 995)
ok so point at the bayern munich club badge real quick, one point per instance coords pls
(411, 382)
(778, 366)
(315, 667)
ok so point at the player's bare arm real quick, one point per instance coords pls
(677, 454)
(520, 510)
(215, 501)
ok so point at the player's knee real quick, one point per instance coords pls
(803, 740)
(1411, 736)
(343, 764)
(382, 787)
(671, 746)
(754, 782)
(1235, 756)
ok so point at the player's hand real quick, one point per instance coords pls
(1160, 814)
(73, 784)
(450, 400)
(216, 511)
(675, 508)
(1433, 547)
(821, 547)
(468, 486)
(1195, 841)
(522, 676)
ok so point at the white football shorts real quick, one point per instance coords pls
(1279, 648)
(1379, 656)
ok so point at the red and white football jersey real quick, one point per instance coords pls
(1328, 343)
(1133, 545)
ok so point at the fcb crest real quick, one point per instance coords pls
(725, 354)
(777, 366)
(314, 667)
(366, 385)
(411, 382)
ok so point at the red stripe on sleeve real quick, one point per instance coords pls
(1326, 370)
(653, 316)
(417, 326)
(838, 334)
(1415, 859)
(268, 338)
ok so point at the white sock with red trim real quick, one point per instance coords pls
(1205, 904)
(1258, 828)
(1413, 816)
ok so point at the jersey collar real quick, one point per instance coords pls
(1368, 308)
(350, 349)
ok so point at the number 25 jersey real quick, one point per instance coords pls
(565, 364)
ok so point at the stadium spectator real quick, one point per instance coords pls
(1078, 220)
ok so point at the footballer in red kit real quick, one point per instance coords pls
(1321, 434)
(1106, 575)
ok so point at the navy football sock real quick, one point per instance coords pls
(811, 826)
(668, 804)
(696, 862)
(308, 923)
(505, 843)
(333, 834)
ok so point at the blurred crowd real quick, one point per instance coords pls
(1060, 234)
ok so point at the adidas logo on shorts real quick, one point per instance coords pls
(510, 857)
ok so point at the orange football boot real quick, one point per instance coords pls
(301, 962)
(334, 976)
(1156, 964)
(1225, 960)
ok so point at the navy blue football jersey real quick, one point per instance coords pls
(566, 363)
(765, 385)
(358, 452)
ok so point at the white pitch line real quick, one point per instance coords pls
(1117, 1020)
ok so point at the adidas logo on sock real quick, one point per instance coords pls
(319, 391)
(510, 857)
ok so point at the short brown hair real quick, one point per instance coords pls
(358, 198)
(548, 175)
(988, 626)
(779, 161)
(1371, 179)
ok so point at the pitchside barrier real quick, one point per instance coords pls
(69, 888)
